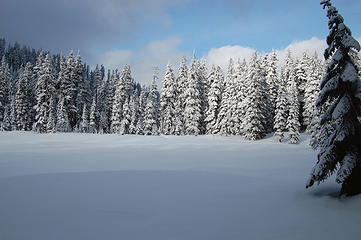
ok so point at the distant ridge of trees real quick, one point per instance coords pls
(52, 93)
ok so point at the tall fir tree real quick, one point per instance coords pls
(141, 111)
(51, 119)
(341, 84)
(181, 81)
(311, 93)
(5, 76)
(122, 94)
(272, 80)
(62, 122)
(203, 87)
(134, 113)
(81, 96)
(5, 125)
(69, 88)
(214, 99)
(293, 123)
(167, 101)
(192, 97)
(104, 106)
(151, 112)
(44, 91)
(85, 124)
(234, 76)
(242, 85)
(93, 118)
(254, 122)
(126, 121)
(226, 108)
(13, 120)
(22, 98)
(280, 119)
(302, 68)
(289, 75)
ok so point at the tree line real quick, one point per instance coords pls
(52, 93)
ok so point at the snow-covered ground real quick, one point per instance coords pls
(110, 187)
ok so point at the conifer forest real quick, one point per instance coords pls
(49, 93)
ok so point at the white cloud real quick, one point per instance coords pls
(116, 58)
(220, 56)
(142, 61)
(297, 48)
(159, 53)
(156, 54)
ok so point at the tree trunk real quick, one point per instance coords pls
(352, 186)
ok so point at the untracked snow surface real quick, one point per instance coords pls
(112, 187)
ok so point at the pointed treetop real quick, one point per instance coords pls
(340, 36)
(184, 60)
(155, 74)
(194, 55)
(326, 3)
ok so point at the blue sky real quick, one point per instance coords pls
(203, 25)
(145, 33)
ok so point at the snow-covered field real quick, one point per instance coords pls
(111, 187)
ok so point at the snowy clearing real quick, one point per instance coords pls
(111, 187)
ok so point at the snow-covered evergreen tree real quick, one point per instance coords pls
(342, 86)
(126, 121)
(203, 87)
(302, 69)
(192, 97)
(215, 78)
(242, 87)
(272, 80)
(280, 119)
(235, 76)
(22, 98)
(44, 91)
(62, 123)
(85, 124)
(167, 101)
(181, 83)
(62, 77)
(254, 122)
(293, 123)
(289, 76)
(13, 121)
(122, 94)
(96, 80)
(68, 84)
(151, 112)
(141, 111)
(227, 106)
(82, 90)
(134, 113)
(93, 118)
(311, 93)
(104, 106)
(51, 122)
(5, 77)
(5, 125)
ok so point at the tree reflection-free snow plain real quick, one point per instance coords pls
(91, 187)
